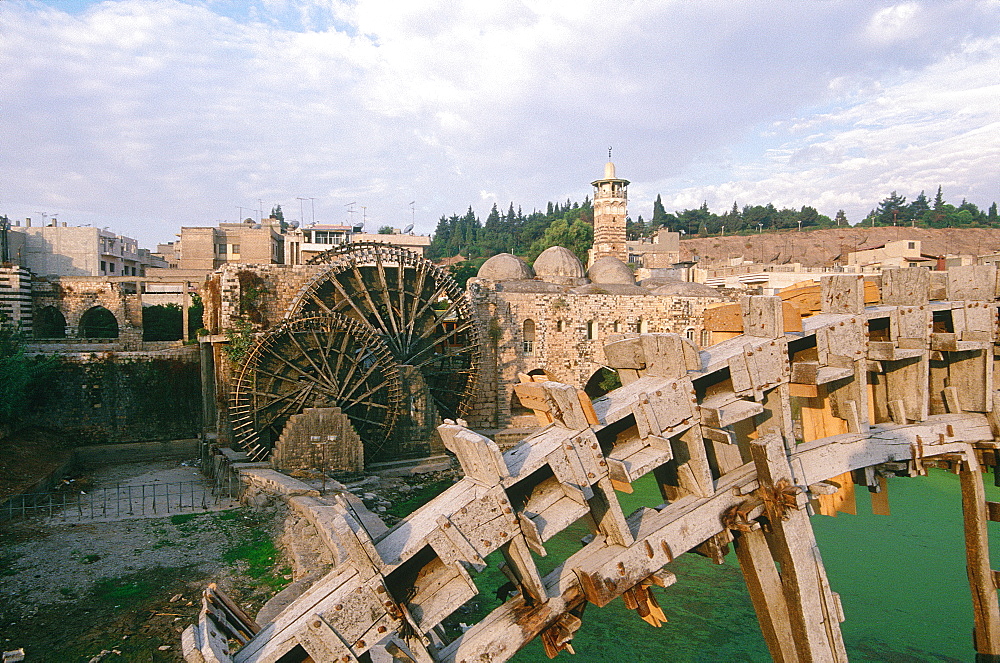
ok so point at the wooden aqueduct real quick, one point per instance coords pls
(745, 439)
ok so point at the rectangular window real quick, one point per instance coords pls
(104, 266)
(911, 245)
(220, 249)
(112, 266)
(529, 348)
(235, 249)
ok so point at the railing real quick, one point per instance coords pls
(127, 501)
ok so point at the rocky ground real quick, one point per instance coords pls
(123, 591)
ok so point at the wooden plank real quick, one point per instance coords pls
(986, 611)
(880, 499)
(764, 587)
(905, 286)
(762, 316)
(843, 293)
(812, 611)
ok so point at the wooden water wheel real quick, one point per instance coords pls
(315, 361)
(378, 332)
(414, 306)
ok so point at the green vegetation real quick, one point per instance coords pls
(21, 378)
(418, 498)
(571, 225)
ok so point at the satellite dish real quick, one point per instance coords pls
(294, 225)
(407, 228)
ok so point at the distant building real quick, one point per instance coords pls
(416, 243)
(901, 253)
(661, 251)
(61, 250)
(207, 248)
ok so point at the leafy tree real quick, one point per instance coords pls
(276, 213)
(21, 378)
(573, 234)
(659, 215)
(841, 218)
(386, 230)
(162, 322)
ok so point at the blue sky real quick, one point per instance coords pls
(145, 115)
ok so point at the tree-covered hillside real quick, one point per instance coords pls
(571, 224)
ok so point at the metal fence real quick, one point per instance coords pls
(127, 501)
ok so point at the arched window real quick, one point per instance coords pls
(49, 322)
(616, 326)
(98, 322)
(640, 326)
(528, 337)
(689, 332)
(706, 338)
(591, 330)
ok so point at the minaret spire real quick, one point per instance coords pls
(610, 205)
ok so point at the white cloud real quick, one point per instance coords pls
(152, 114)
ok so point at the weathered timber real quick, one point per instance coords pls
(718, 431)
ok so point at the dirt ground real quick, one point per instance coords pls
(26, 458)
(123, 591)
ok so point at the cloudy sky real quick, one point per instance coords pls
(145, 115)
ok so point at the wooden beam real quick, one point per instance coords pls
(986, 611)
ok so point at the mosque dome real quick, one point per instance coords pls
(505, 267)
(611, 270)
(558, 264)
(686, 289)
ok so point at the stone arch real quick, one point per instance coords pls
(98, 322)
(528, 337)
(49, 322)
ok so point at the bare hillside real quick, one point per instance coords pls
(819, 248)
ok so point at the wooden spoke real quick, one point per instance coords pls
(316, 361)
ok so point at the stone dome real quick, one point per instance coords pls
(558, 264)
(505, 267)
(611, 270)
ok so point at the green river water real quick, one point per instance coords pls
(901, 579)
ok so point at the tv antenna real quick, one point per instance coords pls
(413, 214)
(350, 212)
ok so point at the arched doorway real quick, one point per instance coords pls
(49, 322)
(98, 322)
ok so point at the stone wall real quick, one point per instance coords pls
(74, 298)
(570, 331)
(319, 439)
(100, 399)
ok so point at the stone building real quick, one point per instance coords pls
(554, 318)
(207, 248)
(61, 250)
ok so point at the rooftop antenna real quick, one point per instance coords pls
(413, 213)
(350, 212)
(302, 214)
(364, 215)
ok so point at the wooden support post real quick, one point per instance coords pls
(762, 316)
(977, 553)
(813, 611)
(764, 586)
